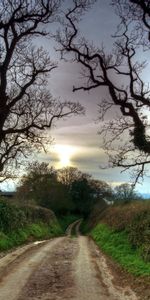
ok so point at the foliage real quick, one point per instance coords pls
(5, 242)
(11, 217)
(64, 191)
(30, 232)
(22, 224)
(38, 214)
(139, 233)
(97, 213)
(79, 188)
(42, 185)
(37, 175)
(117, 245)
(81, 193)
(119, 217)
(132, 219)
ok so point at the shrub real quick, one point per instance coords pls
(119, 217)
(5, 242)
(38, 213)
(20, 224)
(11, 217)
(134, 219)
(139, 233)
(28, 233)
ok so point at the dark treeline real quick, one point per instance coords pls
(65, 191)
(68, 190)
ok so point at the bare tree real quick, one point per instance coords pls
(125, 193)
(137, 12)
(126, 139)
(26, 105)
(68, 175)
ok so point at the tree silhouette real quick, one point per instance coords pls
(137, 12)
(126, 139)
(26, 105)
(40, 186)
(125, 193)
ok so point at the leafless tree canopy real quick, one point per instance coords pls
(137, 12)
(126, 139)
(26, 106)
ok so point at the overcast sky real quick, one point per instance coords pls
(81, 133)
(77, 137)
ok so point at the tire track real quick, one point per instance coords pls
(74, 226)
(63, 268)
(15, 279)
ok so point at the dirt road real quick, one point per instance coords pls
(62, 268)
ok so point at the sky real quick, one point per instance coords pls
(81, 133)
(76, 140)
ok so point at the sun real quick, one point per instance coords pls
(65, 153)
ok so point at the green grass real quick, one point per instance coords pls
(28, 233)
(116, 244)
(19, 225)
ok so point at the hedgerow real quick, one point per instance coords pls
(21, 224)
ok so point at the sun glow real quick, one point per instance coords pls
(65, 153)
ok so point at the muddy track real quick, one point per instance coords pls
(15, 274)
(62, 268)
(74, 228)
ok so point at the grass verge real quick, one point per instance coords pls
(28, 233)
(116, 244)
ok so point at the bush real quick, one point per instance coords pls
(119, 217)
(22, 224)
(11, 217)
(139, 233)
(5, 242)
(134, 219)
(14, 216)
(28, 233)
(38, 213)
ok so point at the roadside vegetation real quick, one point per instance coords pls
(47, 201)
(20, 225)
(123, 232)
